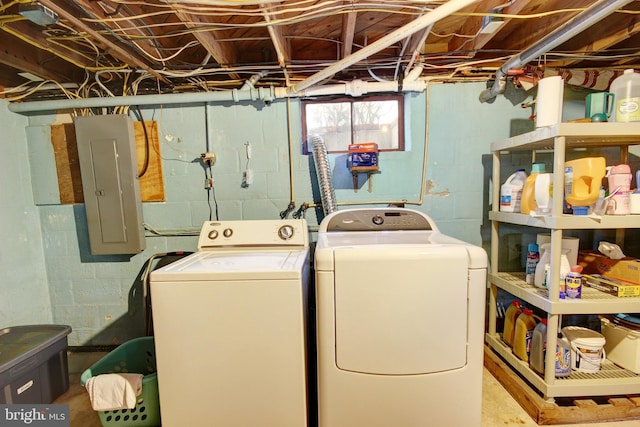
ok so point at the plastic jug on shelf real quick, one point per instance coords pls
(510, 317)
(542, 277)
(583, 179)
(523, 334)
(511, 191)
(544, 193)
(619, 178)
(528, 201)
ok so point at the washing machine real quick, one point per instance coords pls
(400, 322)
(230, 324)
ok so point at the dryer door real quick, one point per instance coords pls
(401, 309)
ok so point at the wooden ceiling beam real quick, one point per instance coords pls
(26, 33)
(146, 47)
(220, 53)
(280, 44)
(18, 54)
(473, 24)
(119, 52)
(348, 33)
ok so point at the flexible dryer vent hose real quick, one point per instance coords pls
(323, 171)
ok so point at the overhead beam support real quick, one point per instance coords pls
(116, 50)
(403, 32)
(348, 32)
(218, 51)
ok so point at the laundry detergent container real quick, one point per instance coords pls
(33, 363)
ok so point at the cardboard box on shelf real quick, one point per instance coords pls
(627, 269)
(615, 287)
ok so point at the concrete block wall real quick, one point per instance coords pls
(100, 296)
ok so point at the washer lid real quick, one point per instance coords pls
(253, 265)
(401, 310)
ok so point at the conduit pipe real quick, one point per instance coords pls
(447, 9)
(576, 25)
(264, 94)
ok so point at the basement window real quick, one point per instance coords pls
(344, 121)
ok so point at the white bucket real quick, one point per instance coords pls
(587, 348)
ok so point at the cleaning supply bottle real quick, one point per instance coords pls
(523, 333)
(583, 179)
(626, 92)
(528, 201)
(511, 191)
(619, 176)
(533, 256)
(544, 193)
(542, 266)
(563, 357)
(510, 316)
(538, 346)
(565, 269)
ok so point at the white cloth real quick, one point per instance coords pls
(109, 392)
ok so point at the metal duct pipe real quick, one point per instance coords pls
(576, 25)
(323, 171)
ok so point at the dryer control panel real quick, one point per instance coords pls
(377, 219)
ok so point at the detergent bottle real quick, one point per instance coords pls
(582, 180)
(563, 357)
(528, 201)
(511, 191)
(544, 193)
(538, 346)
(619, 176)
(626, 92)
(512, 313)
(565, 269)
(542, 266)
(523, 334)
(533, 256)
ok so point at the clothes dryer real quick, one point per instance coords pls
(230, 326)
(400, 322)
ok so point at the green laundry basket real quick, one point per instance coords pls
(136, 356)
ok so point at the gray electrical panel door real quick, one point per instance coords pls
(109, 168)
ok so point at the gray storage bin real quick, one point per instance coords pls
(33, 363)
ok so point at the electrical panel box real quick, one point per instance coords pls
(109, 168)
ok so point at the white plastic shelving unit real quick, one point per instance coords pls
(611, 379)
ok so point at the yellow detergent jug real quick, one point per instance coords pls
(583, 179)
(523, 334)
(528, 201)
(512, 313)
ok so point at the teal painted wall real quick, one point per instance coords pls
(101, 296)
(23, 279)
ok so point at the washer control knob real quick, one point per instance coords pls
(377, 220)
(227, 232)
(285, 232)
(213, 234)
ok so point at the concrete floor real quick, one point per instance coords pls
(498, 407)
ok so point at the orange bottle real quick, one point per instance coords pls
(525, 324)
(528, 201)
(510, 316)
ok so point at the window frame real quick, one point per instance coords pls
(399, 98)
